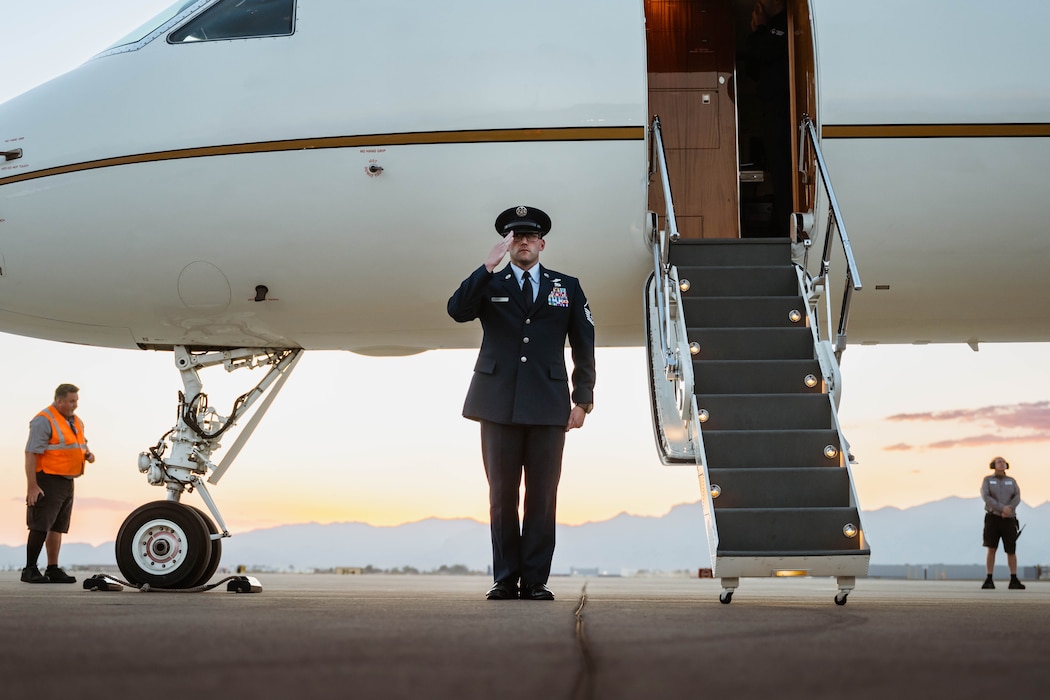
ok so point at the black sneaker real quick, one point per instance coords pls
(31, 574)
(54, 574)
(988, 583)
(1015, 584)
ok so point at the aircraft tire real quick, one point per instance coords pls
(216, 551)
(164, 544)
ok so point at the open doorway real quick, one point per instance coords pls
(730, 105)
(776, 85)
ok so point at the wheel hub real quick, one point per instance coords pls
(160, 546)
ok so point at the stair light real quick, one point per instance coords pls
(795, 315)
(831, 452)
(810, 381)
(703, 415)
(850, 530)
(716, 490)
(684, 284)
(694, 348)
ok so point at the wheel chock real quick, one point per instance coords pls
(244, 584)
(101, 582)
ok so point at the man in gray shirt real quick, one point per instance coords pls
(1001, 496)
(55, 455)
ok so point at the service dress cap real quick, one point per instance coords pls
(522, 219)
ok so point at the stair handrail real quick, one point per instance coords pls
(662, 238)
(853, 283)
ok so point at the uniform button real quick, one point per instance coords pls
(524, 359)
(528, 321)
(525, 340)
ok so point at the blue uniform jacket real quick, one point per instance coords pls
(520, 375)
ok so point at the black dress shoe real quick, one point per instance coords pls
(502, 590)
(535, 591)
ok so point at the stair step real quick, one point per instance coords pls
(780, 280)
(745, 312)
(786, 531)
(787, 487)
(756, 376)
(769, 448)
(731, 251)
(766, 411)
(752, 343)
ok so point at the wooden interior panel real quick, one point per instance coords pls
(682, 45)
(688, 226)
(689, 117)
(690, 172)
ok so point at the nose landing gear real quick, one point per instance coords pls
(168, 544)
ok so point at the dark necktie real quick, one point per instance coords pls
(526, 290)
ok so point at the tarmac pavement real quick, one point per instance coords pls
(324, 635)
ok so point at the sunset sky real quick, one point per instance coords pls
(352, 439)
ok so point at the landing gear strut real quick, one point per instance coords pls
(168, 544)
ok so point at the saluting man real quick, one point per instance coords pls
(520, 393)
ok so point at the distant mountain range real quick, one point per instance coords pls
(942, 532)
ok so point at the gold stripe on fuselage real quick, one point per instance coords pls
(599, 133)
(933, 131)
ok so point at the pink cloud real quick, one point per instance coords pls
(939, 416)
(899, 447)
(980, 440)
(1033, 418)
(1021, 415)
(1029, 415)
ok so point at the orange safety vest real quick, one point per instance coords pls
(64, 454)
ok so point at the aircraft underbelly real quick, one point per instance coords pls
(357, 248)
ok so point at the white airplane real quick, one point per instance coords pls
(242, 180)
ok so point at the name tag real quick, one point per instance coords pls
(499, 300)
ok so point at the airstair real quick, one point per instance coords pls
(745, 384)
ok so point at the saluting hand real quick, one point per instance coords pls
(499, 251)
